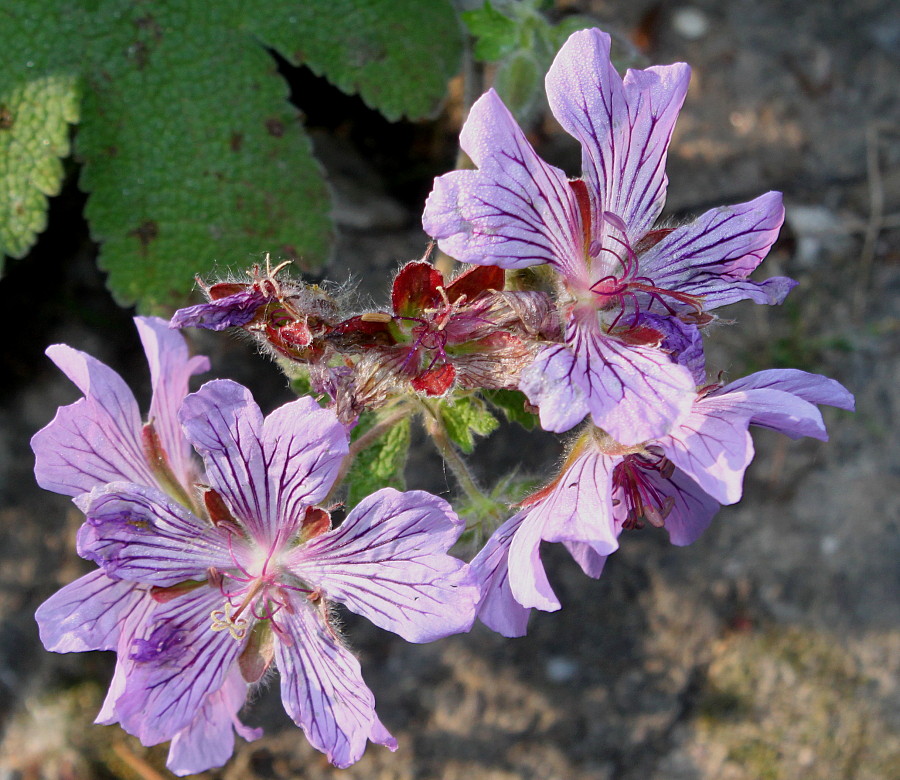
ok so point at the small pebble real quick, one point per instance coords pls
(560, 669)
(690, 22)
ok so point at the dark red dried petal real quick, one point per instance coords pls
(216, 507)
(361, 333)
(475, 281)
(436, 381)
(416, 289)
(651, 239)
(224, 289)
(315, 523)
(641, 336)
(163, 595)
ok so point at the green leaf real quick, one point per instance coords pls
(39, 99)
(496, 34)
(381, 464)
(464, 417)
(560, 33)
(396, 54)
(513, 405)
(518, 81)
(193, 157)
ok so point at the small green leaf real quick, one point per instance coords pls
(496, 34)
(396, 54)
(381, 464)
(518, 82)
(39, 99)
(513, 405)
(464, 417)
(560, 33)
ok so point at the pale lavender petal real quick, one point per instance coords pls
(633, 393)
(577, 508)
(137, 533)
(171, 368)
(498, 608)
(590, 561)
(624, 129)
(228, 312)
(692, 510)
(134, 624)
(95, 440)
(548, 384)
(179, 661)
(515, 211)
(528, 581)
(815, 388)
(781, 411)
(387, 561)
(224, 424)
(713, 447)
(323, 690)
(304, 448)
(209, 739)
(87, 614)
(712, 256)
(682, 341)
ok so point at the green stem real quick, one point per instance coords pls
(436, 429)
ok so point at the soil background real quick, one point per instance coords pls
(768, 649)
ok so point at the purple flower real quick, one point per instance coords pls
(249, 584)
(614, 270)
(677, 481)
(102, 438)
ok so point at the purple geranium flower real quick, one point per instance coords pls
(250, 582)
(102, 438)
(677, 481)
(616, 274)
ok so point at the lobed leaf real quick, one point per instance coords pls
(39, 99)
(513, 405)
(396, 54)
(496, 35)
(193, 157)
(465, 417)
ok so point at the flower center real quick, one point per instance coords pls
(636, 484)
(623, 290)
(253, 590)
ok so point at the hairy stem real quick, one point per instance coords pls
(436, 429)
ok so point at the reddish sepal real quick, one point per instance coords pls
(416, 289)
(435, 381)
(475, 281)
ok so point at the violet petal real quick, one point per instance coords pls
(323, 690)
(387, 561)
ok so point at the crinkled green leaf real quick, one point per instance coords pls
(465, 417)
(396, 54)
(39, 99)
(512, 403)
(193, 157)
(496, 35)
(518, 81)
(560, 33)
(381, 464)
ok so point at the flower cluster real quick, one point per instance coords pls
(211, 525)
